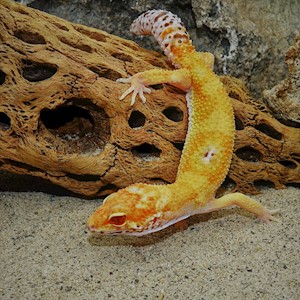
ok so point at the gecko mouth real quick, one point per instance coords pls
(96, 231)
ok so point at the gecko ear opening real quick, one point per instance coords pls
(117, 219)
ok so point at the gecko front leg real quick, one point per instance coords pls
(139, 82)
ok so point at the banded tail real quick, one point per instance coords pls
(166, 28)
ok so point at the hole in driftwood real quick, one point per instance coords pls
(262, 184)
(33, 71)
(107, 189)
(234, 95)
(174, 90)
(289, 123)
(146, 151)
(60, 26)
(249, 154)
(137, 119)
(2, 77)
(293, 184)
(157, 86)
(288, 164)
(28, 103)
(4, 121)
(238, 123)
(21, 11)
(80, 46)
(22, 165)
(70, 119)
(106, 73)
(79, 122)
(122, 56)
(158, 181)
(268, 130)
(173, 113)
(85, 48)
(130, 45)
(228, 185)
(29, 37)
(91, 34)
(179, 145)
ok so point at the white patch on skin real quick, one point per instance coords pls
(133, 189)
(208, 156)
(155, 216)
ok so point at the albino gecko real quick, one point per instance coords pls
(143, 208)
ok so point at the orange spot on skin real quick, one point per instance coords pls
(166, 32)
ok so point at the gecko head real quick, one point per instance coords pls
(129, 211)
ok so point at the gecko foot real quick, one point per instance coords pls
(136, 88)
(267, 215)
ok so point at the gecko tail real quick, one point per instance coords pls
(166, 28)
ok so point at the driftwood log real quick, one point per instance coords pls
(61, 120)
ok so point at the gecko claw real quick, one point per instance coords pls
(126, 93)
(141, 93)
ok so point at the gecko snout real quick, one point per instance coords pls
(92, 228)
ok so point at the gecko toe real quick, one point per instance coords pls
(124, 80)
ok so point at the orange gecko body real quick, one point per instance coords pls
(142, 208)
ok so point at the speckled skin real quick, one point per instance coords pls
(141, 208)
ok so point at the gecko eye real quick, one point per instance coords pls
(117, 219)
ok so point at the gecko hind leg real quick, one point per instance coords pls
(242, 201)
